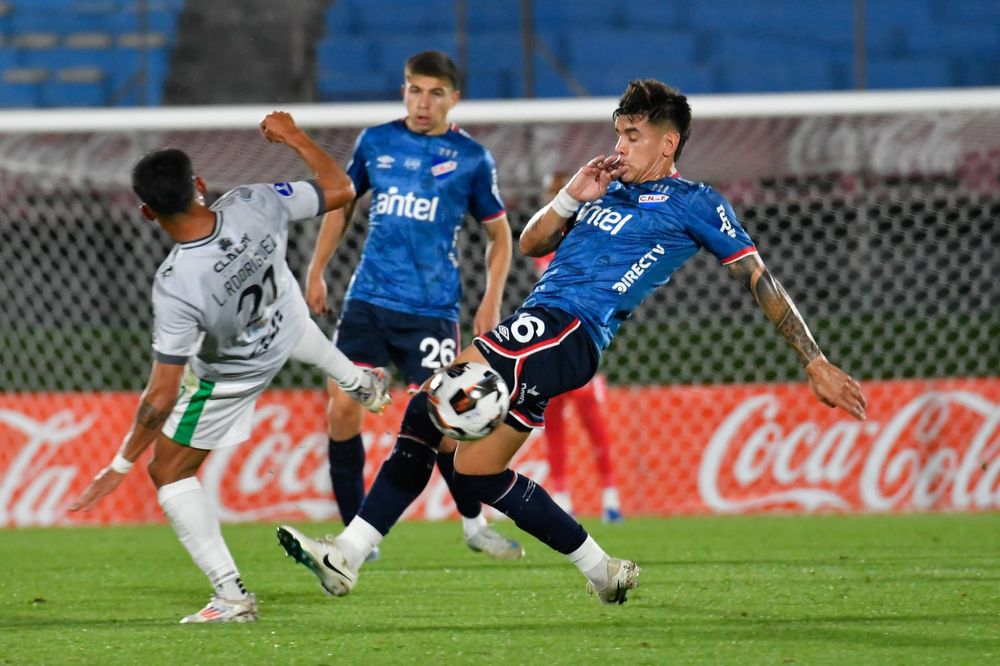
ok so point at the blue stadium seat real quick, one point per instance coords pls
(631, 48)
(583, 15)
(352, 86)
(909, 73)
(66, 93)
(348, 54)
(395, 49)
(490, 15)
(753, 76)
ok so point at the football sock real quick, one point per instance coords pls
(610, 499)
(356, 541)
(316, 349)
(589, 409)
(466, 502)
(555, 440)
(471, 526)
(530, 507)
(592, 562)
(194, 520)
(347, 469)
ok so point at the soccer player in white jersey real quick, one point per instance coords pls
(227, 315)
(425, 175)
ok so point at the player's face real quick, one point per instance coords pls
(428, 100)
(647, 151)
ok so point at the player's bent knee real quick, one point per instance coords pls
(343, 417)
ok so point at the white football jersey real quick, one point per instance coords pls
(228, 303)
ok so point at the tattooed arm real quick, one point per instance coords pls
(832, 386)
(155, 406)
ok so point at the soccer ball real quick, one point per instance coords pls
(467, 400)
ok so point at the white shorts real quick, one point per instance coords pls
(213, 415)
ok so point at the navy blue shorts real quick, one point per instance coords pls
(374, 336)
(540, 353)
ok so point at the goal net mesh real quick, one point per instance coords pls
(882, 228)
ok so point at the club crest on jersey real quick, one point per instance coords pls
(412, 163)
(284, 189)
(441, 168)
(652, 200)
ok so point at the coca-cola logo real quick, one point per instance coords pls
(898, 145)
(938, 450)
(33, 491)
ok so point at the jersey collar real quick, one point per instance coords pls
(199, 242)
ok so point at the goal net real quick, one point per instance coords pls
(877, 212)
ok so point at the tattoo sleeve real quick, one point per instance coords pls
(776, 304)
(150, 417)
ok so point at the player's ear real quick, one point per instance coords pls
(147, 212)
(200, 185)
(669, 142)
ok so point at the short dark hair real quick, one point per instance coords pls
(164, 180)
(657, 103)
(433, 63)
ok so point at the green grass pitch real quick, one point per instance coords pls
(909, 589)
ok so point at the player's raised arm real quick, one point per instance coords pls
(330, 234)
(155, 405)
(832, 386)
(544, 231)
(338, 189)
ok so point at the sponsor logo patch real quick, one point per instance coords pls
(284, 189)
(384, 161)
(652, 200)
(442, 169)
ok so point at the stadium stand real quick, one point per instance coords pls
(719, 47)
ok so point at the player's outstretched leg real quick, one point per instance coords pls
(399, 482)
(480, 536)
(534, 511)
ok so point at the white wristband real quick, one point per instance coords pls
(564, 204)
(121, 464)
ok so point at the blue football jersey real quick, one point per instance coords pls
(422, 186)
(622, 246)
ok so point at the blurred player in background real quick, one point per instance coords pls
(622, 225)
(402, 305)
(227, 315)
(588, 402)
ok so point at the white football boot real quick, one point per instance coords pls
(373, 392)
(322, 557)
(225, 610)
(488, 540)
(623, 575)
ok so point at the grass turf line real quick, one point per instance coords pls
(908, 589)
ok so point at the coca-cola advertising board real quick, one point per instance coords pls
(927, 445)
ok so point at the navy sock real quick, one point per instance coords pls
(465, 500)
(529, 506)
(406, 471)
(347, 474)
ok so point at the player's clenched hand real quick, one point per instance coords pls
(592, 180)
(836, 388)
(103, 484)
(278, 127)
(316, 295)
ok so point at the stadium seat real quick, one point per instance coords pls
(490, 15)
(355, 86)
(583, 15)
(21, 86)
(75, 87)
(395, 49)
(774, 75)
(347, 54)
(909, 73)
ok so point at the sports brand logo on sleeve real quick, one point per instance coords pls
(284, 189)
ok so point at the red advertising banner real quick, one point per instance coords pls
(927, 445)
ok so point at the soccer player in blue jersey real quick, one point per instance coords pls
(621, 226)
(402, 306)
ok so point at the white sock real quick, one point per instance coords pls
(193, 519)
(592, 562)
(357, 540)
(563, 500)
(470, 526)
(316, 349)
(610, 500)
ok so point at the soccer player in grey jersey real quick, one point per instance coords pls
(227, 315)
